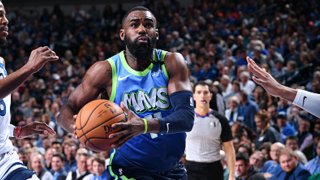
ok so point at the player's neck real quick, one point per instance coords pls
(202, 110)
(138, 63)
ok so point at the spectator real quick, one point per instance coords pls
(244, 170)
(247, 110)
(257, 160)
(57, 163)
(232, 110)
(285, 128)
(81, 171)
(292, 143)
(313, 166)
(272, 166)
(290, 167)
(266, 133)
(99, 167)
(304, 135)
(37, 164)
(48, 157)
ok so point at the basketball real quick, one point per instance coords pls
(93, 124)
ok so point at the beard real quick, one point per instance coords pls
(141, 50)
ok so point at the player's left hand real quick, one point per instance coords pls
(35, 127)
(132, 127)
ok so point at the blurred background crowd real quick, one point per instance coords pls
(213, 36)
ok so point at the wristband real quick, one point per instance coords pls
(17, 131)
(145, 125)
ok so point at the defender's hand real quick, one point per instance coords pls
(35, 127)
(263, 78)
(39, 57)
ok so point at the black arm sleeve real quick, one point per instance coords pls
(181, 120)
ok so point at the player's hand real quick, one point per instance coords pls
(132, 127)
(39, 57)
(35, 127)
(263, 78)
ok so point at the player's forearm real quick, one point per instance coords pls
(65, 118)
(181, 120)
(287, 93)
(308, 101)
(14, 80)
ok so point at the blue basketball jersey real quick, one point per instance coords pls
(145, 93)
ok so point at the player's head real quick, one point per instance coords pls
(3, 25)
(139, 31)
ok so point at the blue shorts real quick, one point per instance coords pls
(176, 173)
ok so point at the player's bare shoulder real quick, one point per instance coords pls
(99, 73)
(175, 62)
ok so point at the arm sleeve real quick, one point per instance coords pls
(308, 101)
(226, 134)
(11, 130)
(181, 120)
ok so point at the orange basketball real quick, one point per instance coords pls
(93, 124)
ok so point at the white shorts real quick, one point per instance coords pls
(9, 162)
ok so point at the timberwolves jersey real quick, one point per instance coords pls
(5, 143)
(145, 93)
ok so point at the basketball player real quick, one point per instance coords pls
(156, 93)
(203, 145)
(10, 165)
(306, 100)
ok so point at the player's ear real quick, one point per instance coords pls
(122, 34)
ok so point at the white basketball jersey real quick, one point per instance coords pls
(5, 116)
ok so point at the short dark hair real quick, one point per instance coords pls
(242, 157)
(136, 8)
(59, 155)
(295, 138)
(201, 83)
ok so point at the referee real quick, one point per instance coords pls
(203, 143)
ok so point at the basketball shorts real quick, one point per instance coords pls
(12, 168)
(133, 173)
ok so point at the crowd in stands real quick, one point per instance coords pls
(214, 37)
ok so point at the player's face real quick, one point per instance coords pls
(3, 25)
(139, 32)
(202, 95)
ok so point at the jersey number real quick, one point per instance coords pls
(3, 109)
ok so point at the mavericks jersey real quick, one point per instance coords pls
(146, 94)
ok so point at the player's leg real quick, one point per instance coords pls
(11, 168)
(21, 173)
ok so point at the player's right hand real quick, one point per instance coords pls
(39, 57)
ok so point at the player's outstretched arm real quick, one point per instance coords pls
(304, 99)
(32, 128)
(38, 58)
(96, 78)
(263, 78)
